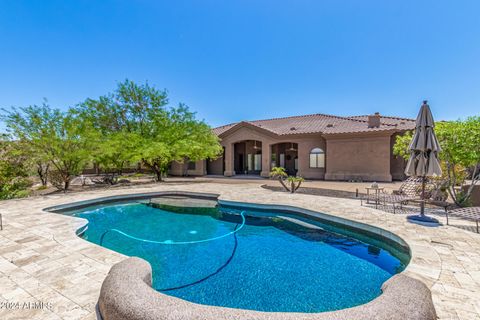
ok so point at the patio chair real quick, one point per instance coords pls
(398, 199)
(469, 213)
(410, 190)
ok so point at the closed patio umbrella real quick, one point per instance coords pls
(423, 161)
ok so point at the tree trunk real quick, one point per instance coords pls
(155, 168)
(66, 185)
(158, 174)
(186, 163)
(283, 184)
(298, 185)
(42, 171)
(97, 168)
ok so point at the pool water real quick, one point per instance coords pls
(272, 262)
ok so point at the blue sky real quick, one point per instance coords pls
(250, 59)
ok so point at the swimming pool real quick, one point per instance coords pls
(243, 256)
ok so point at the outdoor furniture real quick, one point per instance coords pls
(398, 199)
(375, 196)
(469, 213)
(409, 190)
(402, 195)
(411, 187)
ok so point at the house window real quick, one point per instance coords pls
(192, 165)
(282, 160)
(258, 162)
(317, 158)
(250, 162)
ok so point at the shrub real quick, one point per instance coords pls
(289, 183)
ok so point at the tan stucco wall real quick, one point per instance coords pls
(365, 156)
(215, 166)
(242, 134)
(305, 144)
(178, 169)
(475, 197)
(304, 147)
(359, 157)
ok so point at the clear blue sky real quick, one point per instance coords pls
(249, 59)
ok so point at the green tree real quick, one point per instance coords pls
(59, 138)
(193, 139)
(400, 148)
(460, 155)
(178, 136)
(460, 141)
(114, 152)
(152, 132)
(24, 130)
(14, 180)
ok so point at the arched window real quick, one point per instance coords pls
(317, 158)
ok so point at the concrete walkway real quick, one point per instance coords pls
(41, 258)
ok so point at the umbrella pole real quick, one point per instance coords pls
(422, 204)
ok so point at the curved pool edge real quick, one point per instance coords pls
(435, 251)
(127, 197)
(218, 313)
(389, 238)
(127, 293)
(370, 231)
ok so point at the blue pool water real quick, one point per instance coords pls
(273, 262)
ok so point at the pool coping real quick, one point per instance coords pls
(127, 294)
(133, 196)
(369, 230)
(41, 247)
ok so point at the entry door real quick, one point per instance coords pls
(241, 168)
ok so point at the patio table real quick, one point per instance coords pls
(376, 195)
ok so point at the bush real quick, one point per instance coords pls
(15, 188)
(289, 183)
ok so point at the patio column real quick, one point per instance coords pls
(229, 153)
(303, 154)
(266, 158)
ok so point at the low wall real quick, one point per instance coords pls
(475, 197)
(127, 293)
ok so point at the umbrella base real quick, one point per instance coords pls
(422, 218)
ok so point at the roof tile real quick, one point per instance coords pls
(323, 123)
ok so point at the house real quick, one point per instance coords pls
(316, 146)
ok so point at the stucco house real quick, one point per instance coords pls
(316, 146)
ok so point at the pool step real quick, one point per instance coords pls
(301, 223)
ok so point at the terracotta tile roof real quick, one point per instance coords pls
(219, 130)
(401, 123)
(322, 123)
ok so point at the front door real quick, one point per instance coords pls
(241, 168)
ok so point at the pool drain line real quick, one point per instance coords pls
(175, 242)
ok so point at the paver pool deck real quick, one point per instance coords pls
(41, 258)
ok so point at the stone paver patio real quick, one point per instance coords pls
(41, 258)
